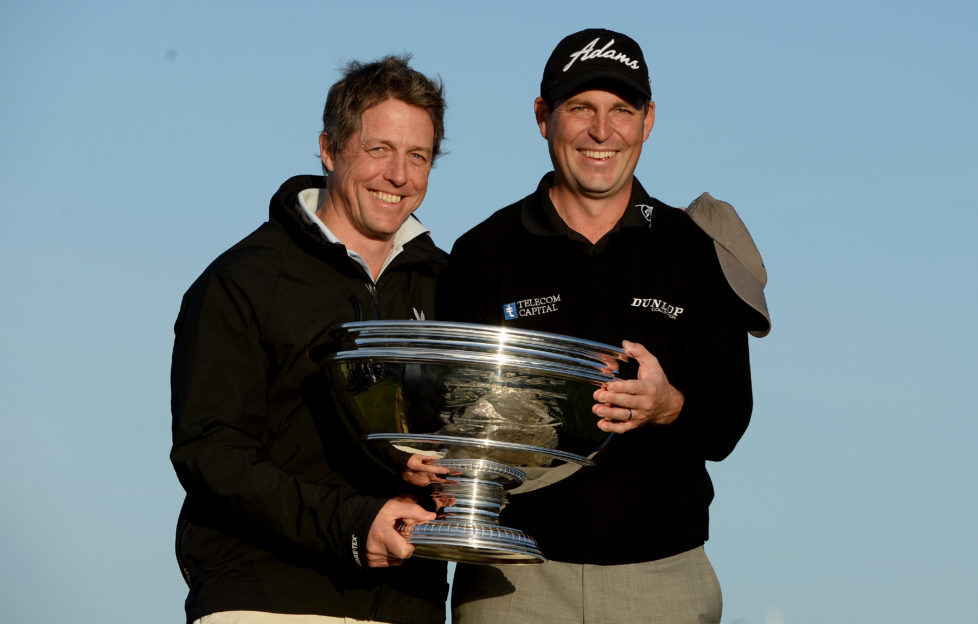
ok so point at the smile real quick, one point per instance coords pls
(387, 197)
(598, 155)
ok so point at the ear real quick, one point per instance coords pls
(542, 113)
(324, 152)
(649, 120)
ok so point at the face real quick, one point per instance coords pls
(595, 139)
(381, 175)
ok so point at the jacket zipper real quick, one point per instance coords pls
(375, 304)
(375, 299)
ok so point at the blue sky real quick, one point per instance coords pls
(140, 139)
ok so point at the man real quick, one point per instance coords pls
(284, 520)
(624, 540)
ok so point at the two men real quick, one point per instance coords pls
(624, 540)
(283, 518)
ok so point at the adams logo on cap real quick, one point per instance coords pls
(589, 52)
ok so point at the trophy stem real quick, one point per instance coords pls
(467, 528)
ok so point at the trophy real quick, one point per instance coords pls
(505, 410)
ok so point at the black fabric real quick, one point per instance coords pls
(279, 497)
(653, 279)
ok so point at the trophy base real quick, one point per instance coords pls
(473, 542)
(467, 527)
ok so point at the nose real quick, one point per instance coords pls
(396, 172)
(600, 128)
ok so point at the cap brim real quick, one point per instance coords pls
(746, 286)
(738, 255)
(604, 78)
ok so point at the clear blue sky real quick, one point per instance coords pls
(140, 139)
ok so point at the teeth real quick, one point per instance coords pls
(386, 197)
(598, 155)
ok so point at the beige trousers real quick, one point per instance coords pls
(682, 589)
(260, 617)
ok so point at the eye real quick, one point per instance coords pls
(419, 157)
(574, 107)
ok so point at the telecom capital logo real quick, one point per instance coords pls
(657, 305)
(533, 306)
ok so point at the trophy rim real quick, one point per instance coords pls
(428, 438)
(498, 335)
(442, 342)
(567, 369)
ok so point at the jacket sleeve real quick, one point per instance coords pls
(222, 431)
(717, 388)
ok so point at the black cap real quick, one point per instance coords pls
(595, 55)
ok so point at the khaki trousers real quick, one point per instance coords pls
(682, 589)
(260, 617)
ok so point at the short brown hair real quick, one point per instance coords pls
(365, 84)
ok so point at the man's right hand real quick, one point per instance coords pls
(421, 471)
(385, 545)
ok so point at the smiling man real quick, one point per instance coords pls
(284, 520)
(591, 254)
(377, 178)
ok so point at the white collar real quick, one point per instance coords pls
(308, 200)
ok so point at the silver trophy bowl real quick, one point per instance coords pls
(503, 409)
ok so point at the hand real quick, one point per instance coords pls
(631, 403)
(385, 545)
(420, 471)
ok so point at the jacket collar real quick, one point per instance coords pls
(310, 233)
(540, 216)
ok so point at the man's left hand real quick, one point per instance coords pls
(631, 403)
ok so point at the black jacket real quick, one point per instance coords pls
(653, 279)
(279, 498)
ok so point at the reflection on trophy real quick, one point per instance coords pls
(503, 409)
